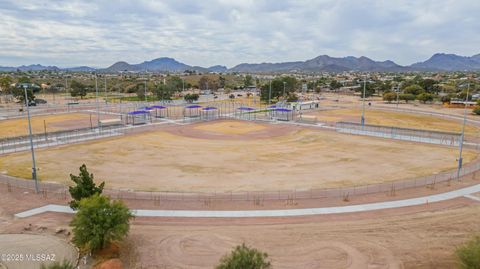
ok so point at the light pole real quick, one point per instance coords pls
(462, 136)
(106, 89)
(270, 93)
(145, 90)
(34, 167)
(398, 93)
(363, 106)
(96, 100)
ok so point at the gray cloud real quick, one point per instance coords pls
(98, 33)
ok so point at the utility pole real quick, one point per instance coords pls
(460, 159)
(363, 108)
(34, 167)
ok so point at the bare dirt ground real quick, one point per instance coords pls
(288, 158)
(58, 122)
(31, 250)
(414, 237)
(419, 240)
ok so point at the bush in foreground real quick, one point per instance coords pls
(243, 257)
(100, 221)
(57, 265)
(469, 254)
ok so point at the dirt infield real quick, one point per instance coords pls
(58, 122)
(289, 158)
(397, 119)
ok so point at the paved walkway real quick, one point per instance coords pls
(464, 192)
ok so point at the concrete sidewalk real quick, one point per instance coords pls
(277, 212)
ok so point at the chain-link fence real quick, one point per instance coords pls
(59, 191)
(416, 135)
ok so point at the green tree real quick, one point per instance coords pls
(24, 79)
(5, 84)
(248, 81)
(389, 96)
(84, 187)
(429, 85)
(203, 83)
(65, 264)
(476, 110)
(425, 97)
(243, 257)
(19, 94)
(191, 97)
(222, 82)
(406, 97)
(446, 99)
(335, 85)
(99, 221)
(165, 91)
(413, 89)
(292, 97)
(278, 87)
(78, 89)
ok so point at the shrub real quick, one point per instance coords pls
(469, 254)
(57, 265)
(243, 257)
(389, 96)
(99, 221)
(476, 110)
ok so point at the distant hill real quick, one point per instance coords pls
(163, 64)
(449, 62)
(322, 63)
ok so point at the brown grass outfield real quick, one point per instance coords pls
(58, 122)
(217, 161)
(397, 119)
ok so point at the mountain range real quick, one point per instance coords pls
(322, 63)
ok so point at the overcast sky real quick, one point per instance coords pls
(229, 32)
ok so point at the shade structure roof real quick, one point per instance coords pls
(137, 112)
(193, 106)
(244, 108)
(283, 110)
(209, 108)
(158, 107)
(274, 106)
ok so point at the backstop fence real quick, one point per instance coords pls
(416, 135)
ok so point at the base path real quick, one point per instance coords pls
(464, 192)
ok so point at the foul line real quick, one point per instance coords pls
(276, 212)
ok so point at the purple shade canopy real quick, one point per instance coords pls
(138, 112)
(209, 108)
(193, 106)
(148, 108)
(246, 108)
(272, 107)
(283, 110)
(158, 107)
